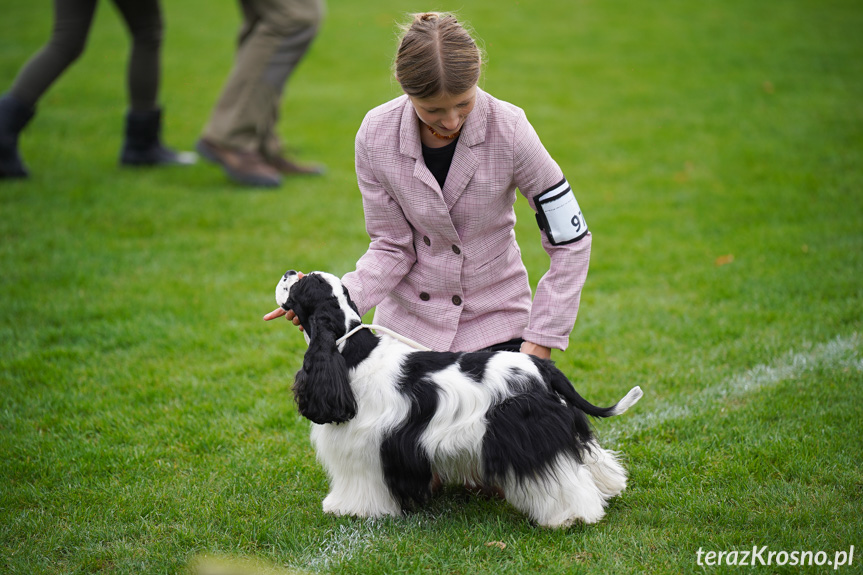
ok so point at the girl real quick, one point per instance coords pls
(438, 168)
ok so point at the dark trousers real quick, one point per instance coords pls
(72, 21)
(511, 345)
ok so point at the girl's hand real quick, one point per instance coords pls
(539, 351)
(289, 315)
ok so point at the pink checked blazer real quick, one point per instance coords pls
(443, 266)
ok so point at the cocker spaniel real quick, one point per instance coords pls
(389, 420)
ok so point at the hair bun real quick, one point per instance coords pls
(436, 55)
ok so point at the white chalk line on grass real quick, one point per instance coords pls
(348, 541)
(341, 544)
(841, 352)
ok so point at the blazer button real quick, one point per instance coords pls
(456, 300)
(424, 296)
(455, 249)
(426, 240)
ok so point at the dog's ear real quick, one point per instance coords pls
(291, 304)
(322, 389)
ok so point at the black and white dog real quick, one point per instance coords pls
(387, 419)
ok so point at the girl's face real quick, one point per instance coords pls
(445, 113)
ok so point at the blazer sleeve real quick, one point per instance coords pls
(391, 252)
(555, 304)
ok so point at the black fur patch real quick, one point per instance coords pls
(474, 364)
(359, 346)
(527, 432)
(406, 466)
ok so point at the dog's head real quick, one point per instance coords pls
(321, 389)
(318, 297)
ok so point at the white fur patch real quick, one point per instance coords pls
(350, 452)
(339, 292)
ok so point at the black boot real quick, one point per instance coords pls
(143, 144)
(14, 115)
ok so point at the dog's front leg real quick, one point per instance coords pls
(353, 463)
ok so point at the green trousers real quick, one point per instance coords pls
(274, 37)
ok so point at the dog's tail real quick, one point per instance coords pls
(564, 388)
(625, 403)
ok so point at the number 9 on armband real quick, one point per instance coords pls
(559, 216)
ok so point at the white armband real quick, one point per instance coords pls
(558, 214)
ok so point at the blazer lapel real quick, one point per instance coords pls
(411, 146)
(465, 162)
(425, 201)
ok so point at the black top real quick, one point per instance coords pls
(438, 160)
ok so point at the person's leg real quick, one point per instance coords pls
(72, 20)
(275, 36)
(144, 20)
(143, 145)
(238, 157)
(290, 51)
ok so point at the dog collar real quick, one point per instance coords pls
(385, 330)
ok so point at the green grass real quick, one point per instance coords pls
(716, 148)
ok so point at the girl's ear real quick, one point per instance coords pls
(322, 389)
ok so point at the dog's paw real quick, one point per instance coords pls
(360, 508)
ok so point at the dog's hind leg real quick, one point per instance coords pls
(565, 494)
(607, 472)
(531, 447)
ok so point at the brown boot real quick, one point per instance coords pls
(247, 168)
(291, 168)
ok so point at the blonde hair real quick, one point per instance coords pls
(436, 55)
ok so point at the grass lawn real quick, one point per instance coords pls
(716, 149)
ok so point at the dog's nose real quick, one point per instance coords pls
(289, 273)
